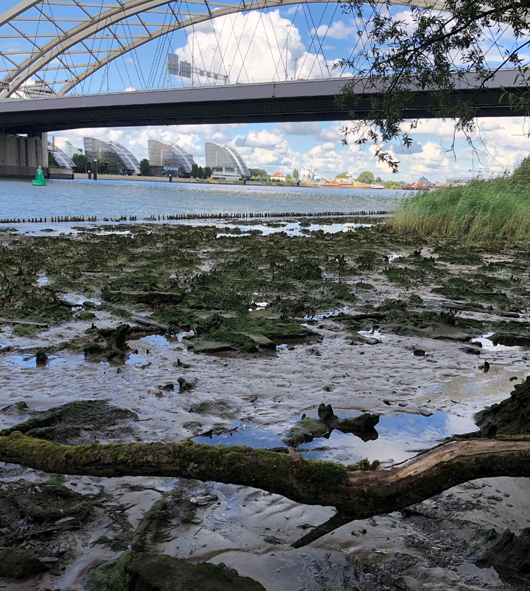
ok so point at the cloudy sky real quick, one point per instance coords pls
(300, 41)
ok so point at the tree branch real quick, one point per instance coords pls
(355, 494)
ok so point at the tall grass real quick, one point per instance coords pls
(482, 211)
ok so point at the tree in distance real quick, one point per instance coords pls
(259, 173)
(431, 50)
(113, 167)
(207, 172)
(296, 174)
(366, 177)
(289, 178)
(145, 167)
(81, 163)
(195, 171)
(342, 175)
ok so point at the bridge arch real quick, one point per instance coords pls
(59, 45)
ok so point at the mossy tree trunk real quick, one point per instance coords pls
(355, 494)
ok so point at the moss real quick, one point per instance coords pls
(509, 417)
(16, 563)
(87, 316)
(111, 575)
(24, 331)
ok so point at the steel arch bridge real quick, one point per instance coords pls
(90, 34)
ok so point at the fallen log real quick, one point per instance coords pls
(356, 494)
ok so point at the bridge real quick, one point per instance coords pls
(308, 100)
(61, 49)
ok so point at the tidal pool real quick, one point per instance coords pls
(400, 436)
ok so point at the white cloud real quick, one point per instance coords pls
(338, 30)
(268, 47)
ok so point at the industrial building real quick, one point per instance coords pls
(107, 150)
(169, 158)
(225, 162)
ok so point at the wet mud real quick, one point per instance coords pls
(336, 338)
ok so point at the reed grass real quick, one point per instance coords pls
(483, 211)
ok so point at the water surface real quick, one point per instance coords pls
(111, 199)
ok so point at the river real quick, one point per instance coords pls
(111, 199)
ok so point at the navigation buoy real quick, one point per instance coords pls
(40, 181)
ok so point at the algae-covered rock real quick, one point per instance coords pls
(152, 298)
(208, 346)
(16, 563)
(112, 346)
(41, 358)
(510, 340)
(159, 572)
(308, 428)
(506, 550)
(24, 331)
(65, 423)
(509, 417)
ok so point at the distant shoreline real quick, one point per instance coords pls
(165, 179)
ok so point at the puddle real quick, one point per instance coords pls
(30, 361)
(488, 345)
(77, 299)
(43, 280)
(147, 348)
(327, 314)
(400, 436)
(371, 334)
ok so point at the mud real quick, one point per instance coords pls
(298, 316)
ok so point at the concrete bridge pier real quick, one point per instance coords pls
(20, 156)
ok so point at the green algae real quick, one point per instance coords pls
(65, 423)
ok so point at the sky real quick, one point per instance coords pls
(293, 42)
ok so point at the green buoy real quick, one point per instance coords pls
(40, 181)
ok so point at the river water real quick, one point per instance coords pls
(111, 199)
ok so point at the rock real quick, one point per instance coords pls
(213, 347)
(159, 572)
(185, 385)
(509, 417)
(65, 423)
(419, 353)
(15, 409)
(485, 366)
(506, 550)
(510, 340)
(16, 563)
(307, 428)
(471, 350)
(41, 357)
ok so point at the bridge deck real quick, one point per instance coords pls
(310, 100)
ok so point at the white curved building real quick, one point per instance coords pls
(107, 150)
(62, 159)
(225, 162)
(171, 157)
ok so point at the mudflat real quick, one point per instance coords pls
(236, 336)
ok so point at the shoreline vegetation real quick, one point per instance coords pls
(482, 211)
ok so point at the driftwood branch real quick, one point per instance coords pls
(355, 494)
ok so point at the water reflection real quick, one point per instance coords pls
(401, 435)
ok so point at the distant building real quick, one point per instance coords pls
(70, 150)
(63, 161)
(225, 162)
(278, 176)
(423, 182)
(169, 158)
(107, 150)
(307, 174)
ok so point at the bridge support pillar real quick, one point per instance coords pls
(20, 156)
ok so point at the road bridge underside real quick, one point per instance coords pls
(168, 108)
